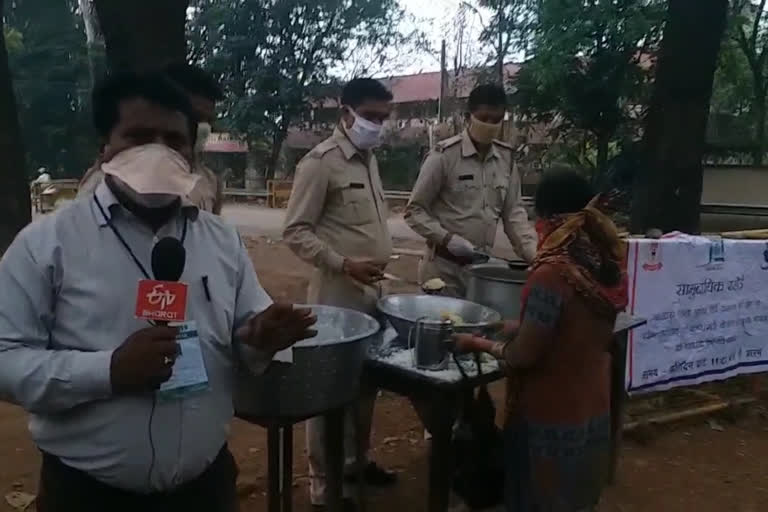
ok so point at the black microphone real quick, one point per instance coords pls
(168, 259)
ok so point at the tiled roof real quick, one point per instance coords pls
(426, 86)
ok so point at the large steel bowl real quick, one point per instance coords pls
(403, 311)
(325, 373)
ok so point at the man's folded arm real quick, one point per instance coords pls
(32, 374)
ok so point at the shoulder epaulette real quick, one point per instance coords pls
(503, 144)
(447, 143)
(324, 147)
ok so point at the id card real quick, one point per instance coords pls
(189, 374)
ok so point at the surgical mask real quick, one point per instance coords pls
(483, 133)
(203, 133)
(364, 134)
(153, 175)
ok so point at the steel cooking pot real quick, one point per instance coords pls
(497, 286)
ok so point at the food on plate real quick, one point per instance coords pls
(451, 317)
(434, 285)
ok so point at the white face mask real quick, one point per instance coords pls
(153, 174)
(364, 134)
(145, 200)
(203, 133)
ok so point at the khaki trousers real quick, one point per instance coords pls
(332, 289)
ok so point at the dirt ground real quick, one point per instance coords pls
(706, 464)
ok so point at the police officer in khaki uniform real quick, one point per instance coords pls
(203, 93)
(465, 186)
(337, 222)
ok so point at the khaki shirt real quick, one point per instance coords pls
(207, 195)
(458, 192)
(337, 208)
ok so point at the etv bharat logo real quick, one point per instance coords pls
(161, 296)
(161, 301)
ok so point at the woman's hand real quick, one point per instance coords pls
(465, 343)
(468, 343)
(506, 328)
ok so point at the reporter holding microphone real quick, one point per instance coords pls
(128, 413)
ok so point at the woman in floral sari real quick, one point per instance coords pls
(558, 412)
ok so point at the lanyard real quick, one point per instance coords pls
(125, 244)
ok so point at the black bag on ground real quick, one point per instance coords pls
(478, 451)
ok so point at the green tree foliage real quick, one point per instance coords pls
(731, 124)
(733, 80)
(748, 32)
(590, 76)
(48, 61)
(399, 164)
(666, 193)
(509, 29)
(14, 41)
(15, 208)
(274, 56)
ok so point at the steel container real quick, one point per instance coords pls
(325, 373)
(403, 311)
(431, 344)
(497, 286)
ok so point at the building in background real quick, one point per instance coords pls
(228, 157)
(414, 126)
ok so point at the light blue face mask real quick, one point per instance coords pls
(364, 134)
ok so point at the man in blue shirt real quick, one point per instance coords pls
(74, 355)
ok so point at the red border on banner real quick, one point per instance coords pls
(630, 351)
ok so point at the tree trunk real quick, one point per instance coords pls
(277, 145)
(143, 35)
(760, 114)
(95, 44)
(15, 208)
(667, 190)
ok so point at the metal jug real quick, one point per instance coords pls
(431, 343)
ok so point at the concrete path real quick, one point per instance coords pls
(262, 221)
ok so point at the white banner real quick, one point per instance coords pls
(706, 302)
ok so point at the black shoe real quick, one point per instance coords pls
(348, 506)
(375, 476)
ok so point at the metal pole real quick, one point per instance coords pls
(287, 468)
(618, 396)
(334, 459)
(443, 75)
(273, 468)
